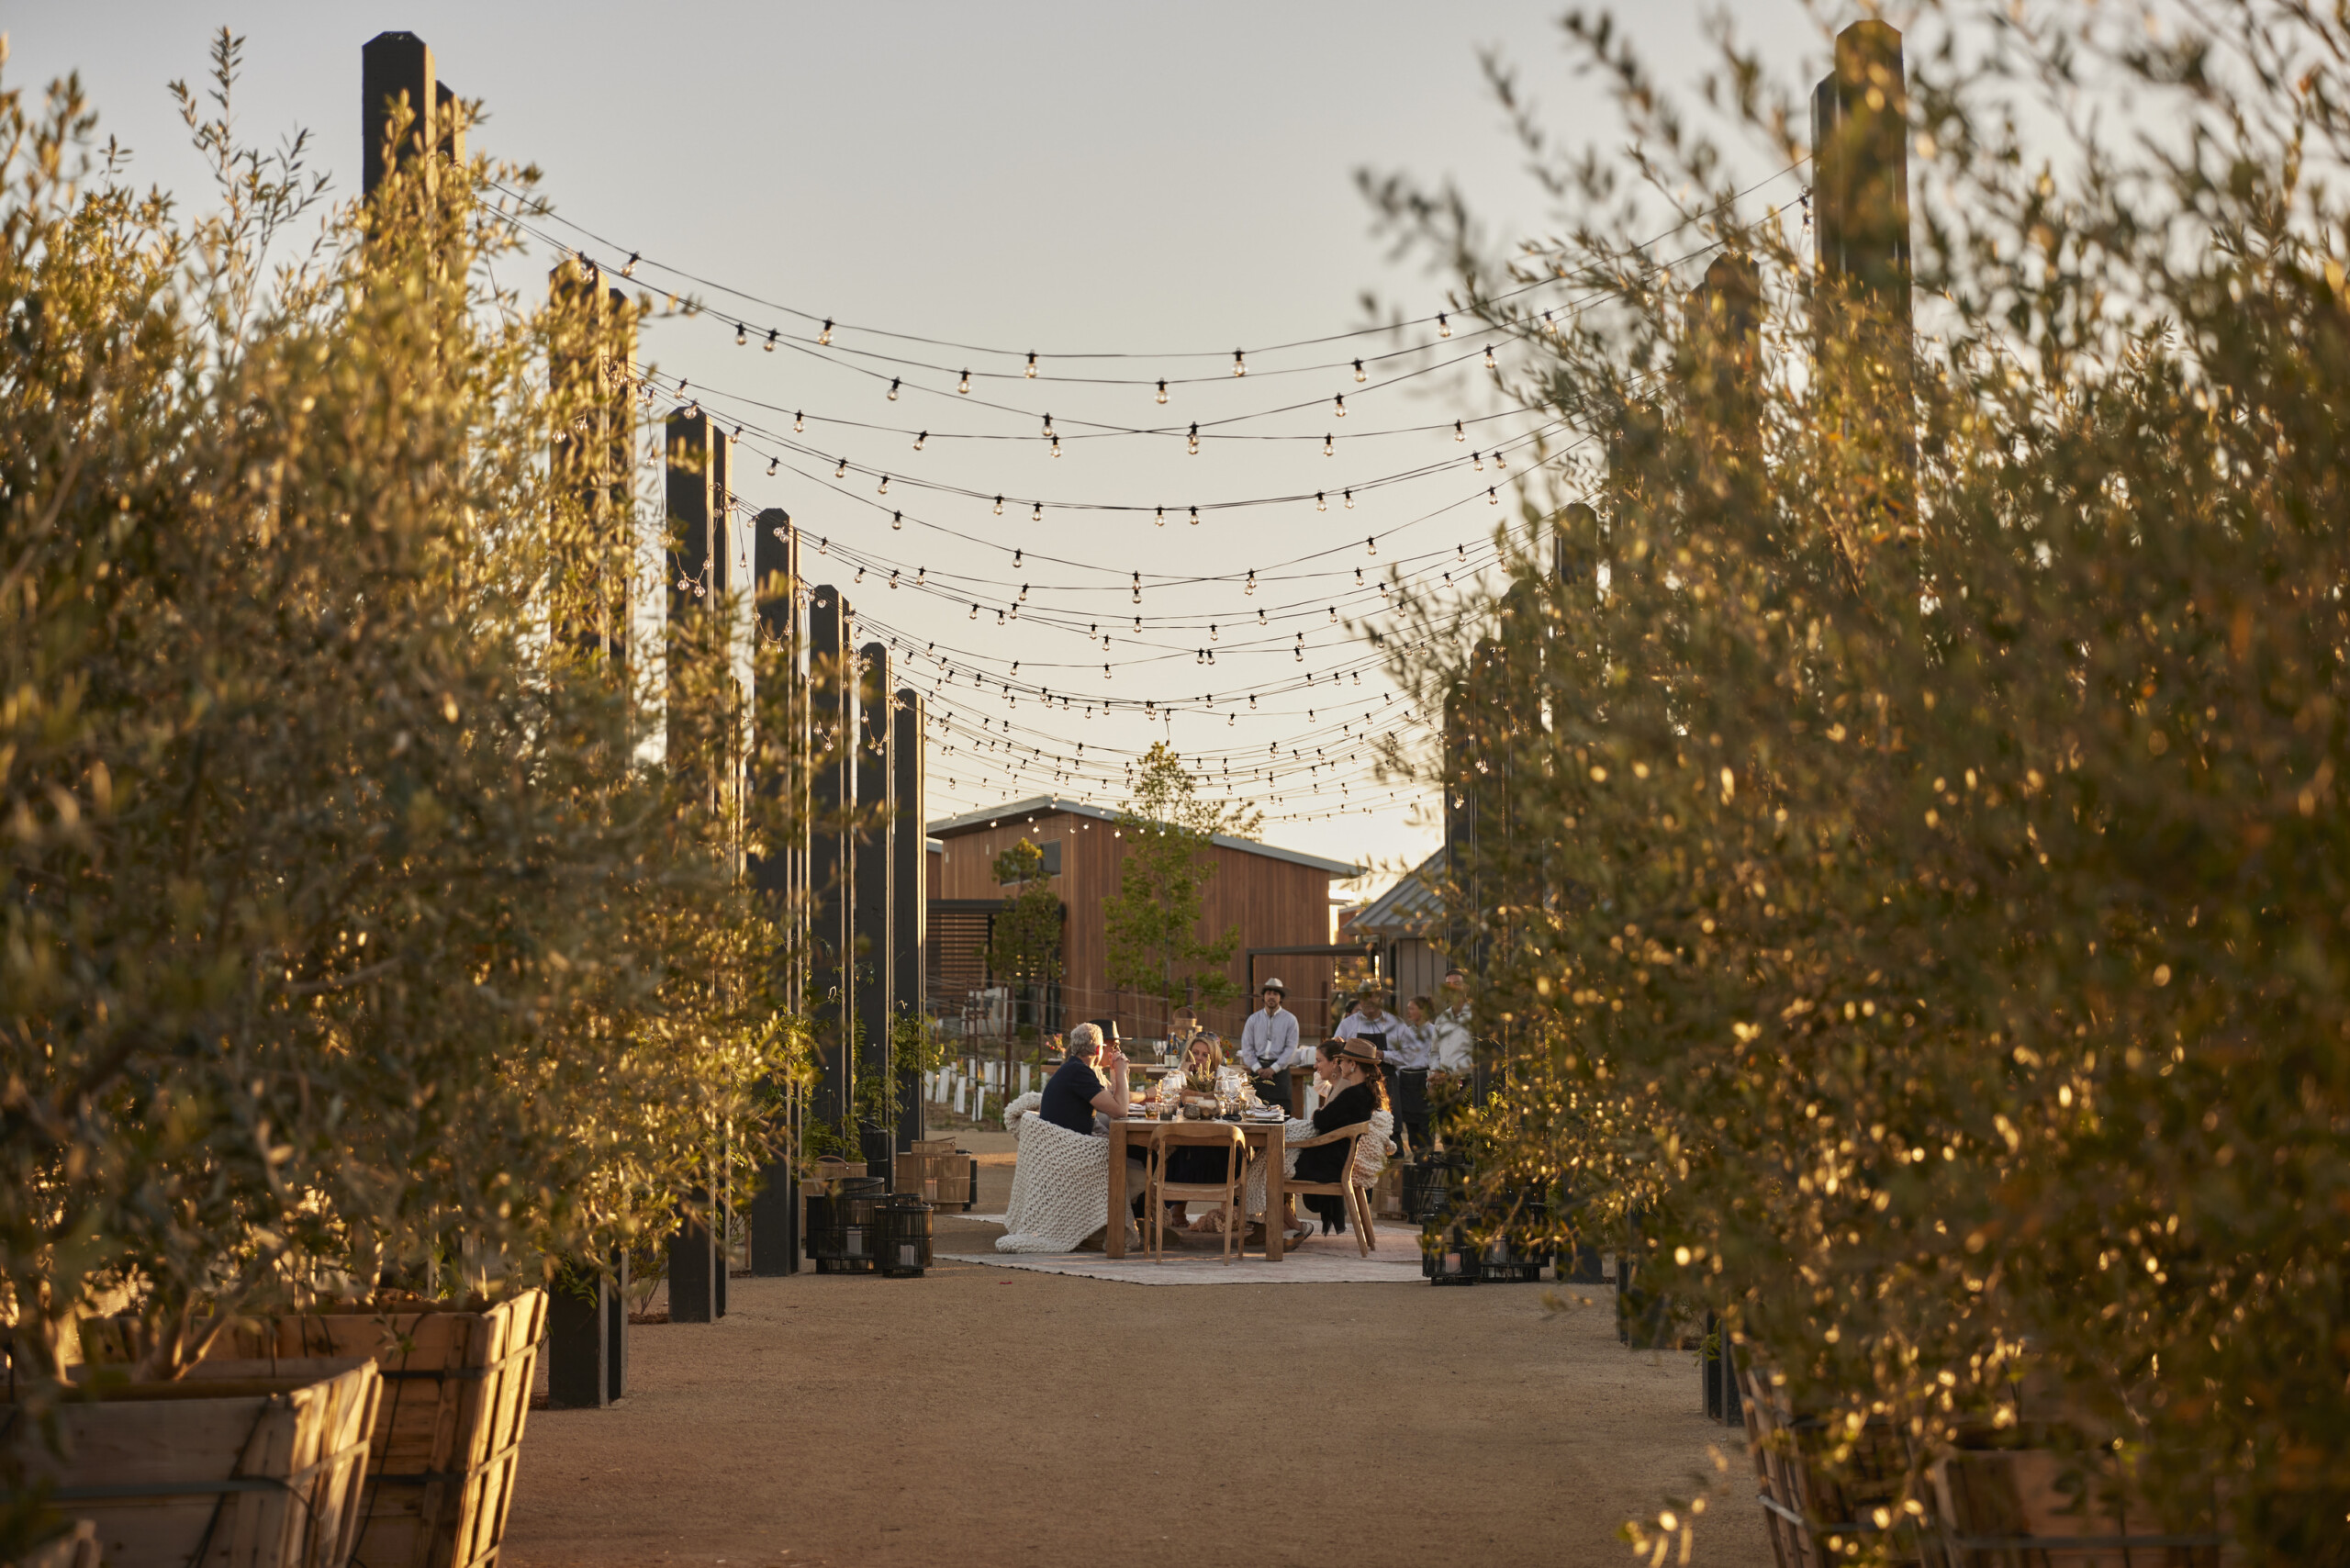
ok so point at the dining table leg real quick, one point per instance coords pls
(1113, 1237)
(1274, 1188)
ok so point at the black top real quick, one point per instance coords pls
(1069, 1095)
(1352, 1104)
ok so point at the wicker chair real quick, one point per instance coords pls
(1168, 1136)
(1349, 1185)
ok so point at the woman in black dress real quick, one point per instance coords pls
(1357, 1091)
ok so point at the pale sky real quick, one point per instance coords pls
(1168, 182)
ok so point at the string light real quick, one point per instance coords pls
(1032, 365)
(975, 611)
(1478, 460)
(1443, 326)
(772, 333)
(1351, 500)
(798, 422)
(1342, 406)
(1458, 433)
(1499, 461)
(742, 334)
(1056, 447)
(1195, 438)
(1321, 502)
(773, 463)
(1492, 497)
(1489, 358)
(1016, 556)
(1038, 516)
(1329, 446)
(633, 257)
(1251, 588)
(964, 386)
(841, 472)
(824, 338)
(1138, 597)
(1360, 374)
(1161, 519)
(897, 520)
(1195, 517)
(1239, 363)
(920, 439)
(998, 506)
(885, 485)
(1162, 391)
(1373, 543)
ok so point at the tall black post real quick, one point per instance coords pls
(395, 82)
(1860, 139)
(579, 1342)
(832, 852)
(908, 892)
(777, 781)
(870, 913)
(697, 557)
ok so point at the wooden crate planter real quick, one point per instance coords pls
(934, 1160)
(2041, 1508)
(241, 1464)
(78, 1548)
(1813, 1511)
(448, 1432)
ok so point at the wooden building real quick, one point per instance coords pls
(1401, 926)
(1276, 898)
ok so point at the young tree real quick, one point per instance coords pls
(1024, 942)
(1153, 920)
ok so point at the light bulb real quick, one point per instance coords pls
(798, 422)
(893, 577)
(1230, 720)
(998, 506)
(1252, 701)
(1373, 543)
(975, 614)
(998, 617)
(1458, 433)
(1195, 517)
(1334, 615)
(1016, 554)
(1250, 587)
(1024, 593)
(893, 389)
(771, 336)
(1106, 674)
(773, 462)
(1161, 519)
(1195, 438)
(1138, 624)
(1321, 502)
(885, 485)
(633, 257)
(964, 385)
(1351, 500)
(921, 573)
(841, 472)
(1199, 655)
(1031, 367)
(1039, 514)
(1443, 326)
(1360, 374)
(1162, 391)
(741, 335)
(1138, 597)
(1489, 358)
(1342, 407)
(920, 439)
(860, 574)
(1492, 497)
(1260, 618)
(824, 338)
(1211, 636)
(1478, 458)
(1056, 447)
(897, 520)
(1239, 363)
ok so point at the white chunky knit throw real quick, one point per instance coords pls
(1060, 1184)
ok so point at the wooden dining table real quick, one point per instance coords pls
(1264, 1144)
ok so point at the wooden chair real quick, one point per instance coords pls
(1348, 1186)
(1159, 1192)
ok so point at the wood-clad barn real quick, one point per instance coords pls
(1277, 898)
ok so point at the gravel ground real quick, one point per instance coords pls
(982, 1416)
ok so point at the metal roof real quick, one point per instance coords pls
(1410, 908)
(1053, 805)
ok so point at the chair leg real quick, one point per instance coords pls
(1362, 1222)
(1369, 1231)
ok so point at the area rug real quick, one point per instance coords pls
(1328, 1262)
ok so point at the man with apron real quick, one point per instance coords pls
(1268, 1042)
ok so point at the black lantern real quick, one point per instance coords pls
(902, 1238)
(846, 1246)
(1447, 1257)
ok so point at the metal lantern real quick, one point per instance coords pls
(902, 1237)
(1447, 1255)
(847, 1246)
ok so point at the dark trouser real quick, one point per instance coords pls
(1274, 1090)
(1411, 1107)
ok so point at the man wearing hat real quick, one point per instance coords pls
(1267, 1041)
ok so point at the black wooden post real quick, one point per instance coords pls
(832, 852)
(777, 779)
(869, 900)
(908, 892)
(593, 456)
(1860, 139)
(395, 82)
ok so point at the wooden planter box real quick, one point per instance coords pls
(2013, 1507)
(241, 1464)
(446, 1439)
(1810, 1511)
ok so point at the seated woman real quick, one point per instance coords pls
(1355, 1093)
(1201, 1058)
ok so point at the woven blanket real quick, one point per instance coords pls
(1061, 1185)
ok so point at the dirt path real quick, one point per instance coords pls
(982, 1416)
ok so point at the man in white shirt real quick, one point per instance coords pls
(1267, 1041)
(1369, 1017)
(1454, 1047)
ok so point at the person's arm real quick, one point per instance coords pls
(1352, 1104)
(1112, 1102)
